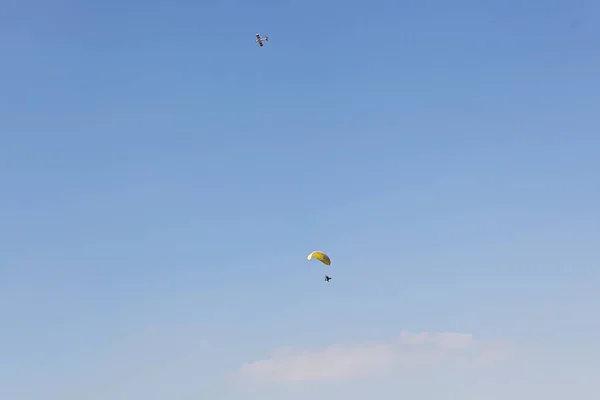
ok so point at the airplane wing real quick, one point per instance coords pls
(259, 40)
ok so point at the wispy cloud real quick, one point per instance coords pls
(343, 361)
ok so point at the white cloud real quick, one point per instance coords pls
(344, 361)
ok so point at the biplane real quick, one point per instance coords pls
(259, 40)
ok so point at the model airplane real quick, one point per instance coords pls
(259, 40)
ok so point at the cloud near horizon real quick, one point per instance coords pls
(408, 352)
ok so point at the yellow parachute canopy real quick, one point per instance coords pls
(319, 255)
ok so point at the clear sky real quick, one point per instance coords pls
(162, 179)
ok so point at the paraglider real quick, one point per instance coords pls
(319, 255)
(324, 258)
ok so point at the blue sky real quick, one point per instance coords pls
(162, 179)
